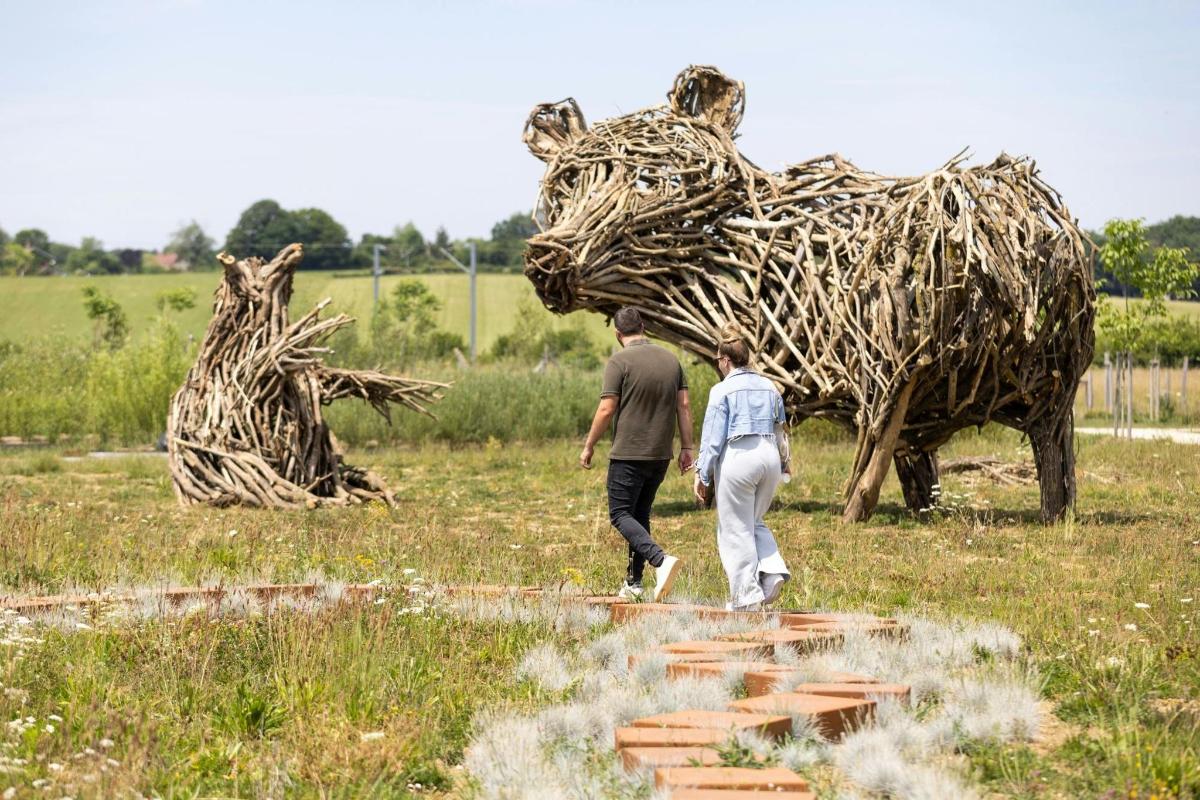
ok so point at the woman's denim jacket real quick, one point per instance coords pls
(744, 404)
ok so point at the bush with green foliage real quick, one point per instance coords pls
(403, 332)
(121, 394)
(110, 323)
(533, 338)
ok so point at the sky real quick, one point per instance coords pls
(125, 119)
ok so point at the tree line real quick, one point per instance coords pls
(262, 230)
(266, 227)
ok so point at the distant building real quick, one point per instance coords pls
(170, 262)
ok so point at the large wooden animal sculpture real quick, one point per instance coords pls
(247, 425)
(904, 309)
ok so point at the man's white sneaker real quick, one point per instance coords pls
(630, 593)
(772, 586)
(664, 575)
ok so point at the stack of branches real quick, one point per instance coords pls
(902, 308)
(247, 426)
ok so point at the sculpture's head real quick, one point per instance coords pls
(645, 179)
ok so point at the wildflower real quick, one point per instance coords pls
(54, 766)
(1141, 605)
(1093, 632)
(1185, 599)
(232, 533)
(106, 743)
(1131, 627)
(410, 571)
(371, 736)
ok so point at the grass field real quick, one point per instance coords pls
(278, 705)
(53, 306)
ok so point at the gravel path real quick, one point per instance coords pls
(1178, 435)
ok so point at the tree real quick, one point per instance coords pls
(1158, 278)
(262, 230)
(33, 238)
(441, 239)
(507, 245)
(193, 246)
(408, 243)
(519, 225)
(17, 260)
(130, 259)
(3, 239)
(110, 324)
(363, 255)
(90, 258)
(265, 228)
(326, 244)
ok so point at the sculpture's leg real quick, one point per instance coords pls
(872, 461)
(1054, 453)
(918, 474)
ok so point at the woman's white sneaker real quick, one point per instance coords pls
(664, 575)
(772, 586)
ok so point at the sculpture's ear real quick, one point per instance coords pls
(552, 126)
(705, 93)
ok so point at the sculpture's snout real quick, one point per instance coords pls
(551, 267)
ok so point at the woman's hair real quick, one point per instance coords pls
(733, 346)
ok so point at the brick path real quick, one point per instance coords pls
(682, 748)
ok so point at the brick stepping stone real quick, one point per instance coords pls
(682, 658)
(630, 611)
(858, 691)
(770, 779)
(719, 669)
(670, 737)
(832, 716)
(800, 640)
(739, 794)
(774, 725)
(883, 627)
(760, 682)
(655, 757)
(741, 649)
(792, 619)
(493, 590)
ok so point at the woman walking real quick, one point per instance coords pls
(743, 450)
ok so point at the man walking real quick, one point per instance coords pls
(645, 396)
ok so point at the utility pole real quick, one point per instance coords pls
(471, 273)
(375, 270)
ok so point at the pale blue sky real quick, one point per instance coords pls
(124, 119)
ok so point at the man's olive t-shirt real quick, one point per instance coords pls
(646, 380)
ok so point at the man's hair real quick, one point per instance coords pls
(628, 321)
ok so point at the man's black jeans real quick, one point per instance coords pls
(631, 489)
